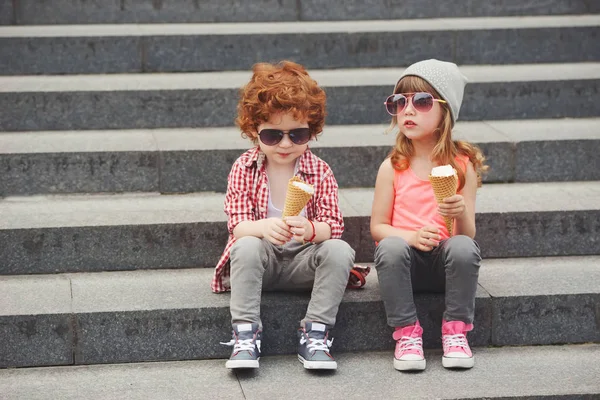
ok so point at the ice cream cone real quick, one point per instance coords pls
(298, 195)
(444, 186)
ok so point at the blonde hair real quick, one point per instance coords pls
(446, 149)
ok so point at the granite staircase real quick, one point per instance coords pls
(116, 137)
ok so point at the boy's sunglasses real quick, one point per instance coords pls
(271, 137)
(422, 102)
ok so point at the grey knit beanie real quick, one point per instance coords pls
(445, 78)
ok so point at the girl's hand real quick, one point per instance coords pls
(276, 231)
(300, 228)
(453, 206)
(427, 238)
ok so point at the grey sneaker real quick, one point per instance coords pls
(313, 350)
(246, 346)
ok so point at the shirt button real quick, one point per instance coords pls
(262, 209)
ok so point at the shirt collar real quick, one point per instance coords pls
(255, 156)
(307, 164)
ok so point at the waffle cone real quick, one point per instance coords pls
(295, 199)
(444, 186)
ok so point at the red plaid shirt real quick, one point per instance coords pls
(248, 196)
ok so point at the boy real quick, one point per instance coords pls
(281, 109)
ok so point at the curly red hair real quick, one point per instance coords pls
(275, 88)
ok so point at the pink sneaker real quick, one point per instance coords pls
(457, 353)
(409, 348)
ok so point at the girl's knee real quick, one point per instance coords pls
(463, 249)
(392, 247)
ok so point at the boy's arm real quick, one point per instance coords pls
(238, 205)
(239, 208)
(248, 228)
(275, 230)
(328, 220)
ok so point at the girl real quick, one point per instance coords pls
(415, 250)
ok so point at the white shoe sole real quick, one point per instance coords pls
(409, 365)
(233, 364)
(455, 362)
(317, 364)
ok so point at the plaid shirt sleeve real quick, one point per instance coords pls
(327, 204)
(238, 201)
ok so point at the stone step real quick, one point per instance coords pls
(209, 99)
(526, 372)
(561, 372)
(191, 160)
(145, 11)
(68, 49)
(49, 234)
(111, 317)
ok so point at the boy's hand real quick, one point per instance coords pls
(276, 231)
(300, 228)
(427, 238)
(453, 206)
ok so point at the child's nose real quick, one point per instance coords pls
(286, 141)
(409, 109)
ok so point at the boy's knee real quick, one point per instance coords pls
(340, 250)
(392, 247)
(246, 246)
(463, 249)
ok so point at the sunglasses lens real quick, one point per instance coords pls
(300, 135)
(270, 137)
(423, 102)
(395, 103)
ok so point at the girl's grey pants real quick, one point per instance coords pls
(452, 267)
(257, 265)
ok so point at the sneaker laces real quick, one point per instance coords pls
(240, 345)
(411, 343)
(319, 344)
(458, 340)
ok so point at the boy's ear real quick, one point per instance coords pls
(253, 134)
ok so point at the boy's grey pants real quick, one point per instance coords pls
(257, 265)
(453, 267)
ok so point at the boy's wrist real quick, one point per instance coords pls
(262, 227)
(312, 234)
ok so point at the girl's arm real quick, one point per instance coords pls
(383, 205)
(465, 222)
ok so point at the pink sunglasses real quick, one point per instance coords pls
(422, 102)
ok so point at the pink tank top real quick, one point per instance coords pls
(414, 202)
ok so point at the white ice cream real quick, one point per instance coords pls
(443, 170)
(304, 186)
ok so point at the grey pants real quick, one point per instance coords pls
(257, 265)
(452, 267)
